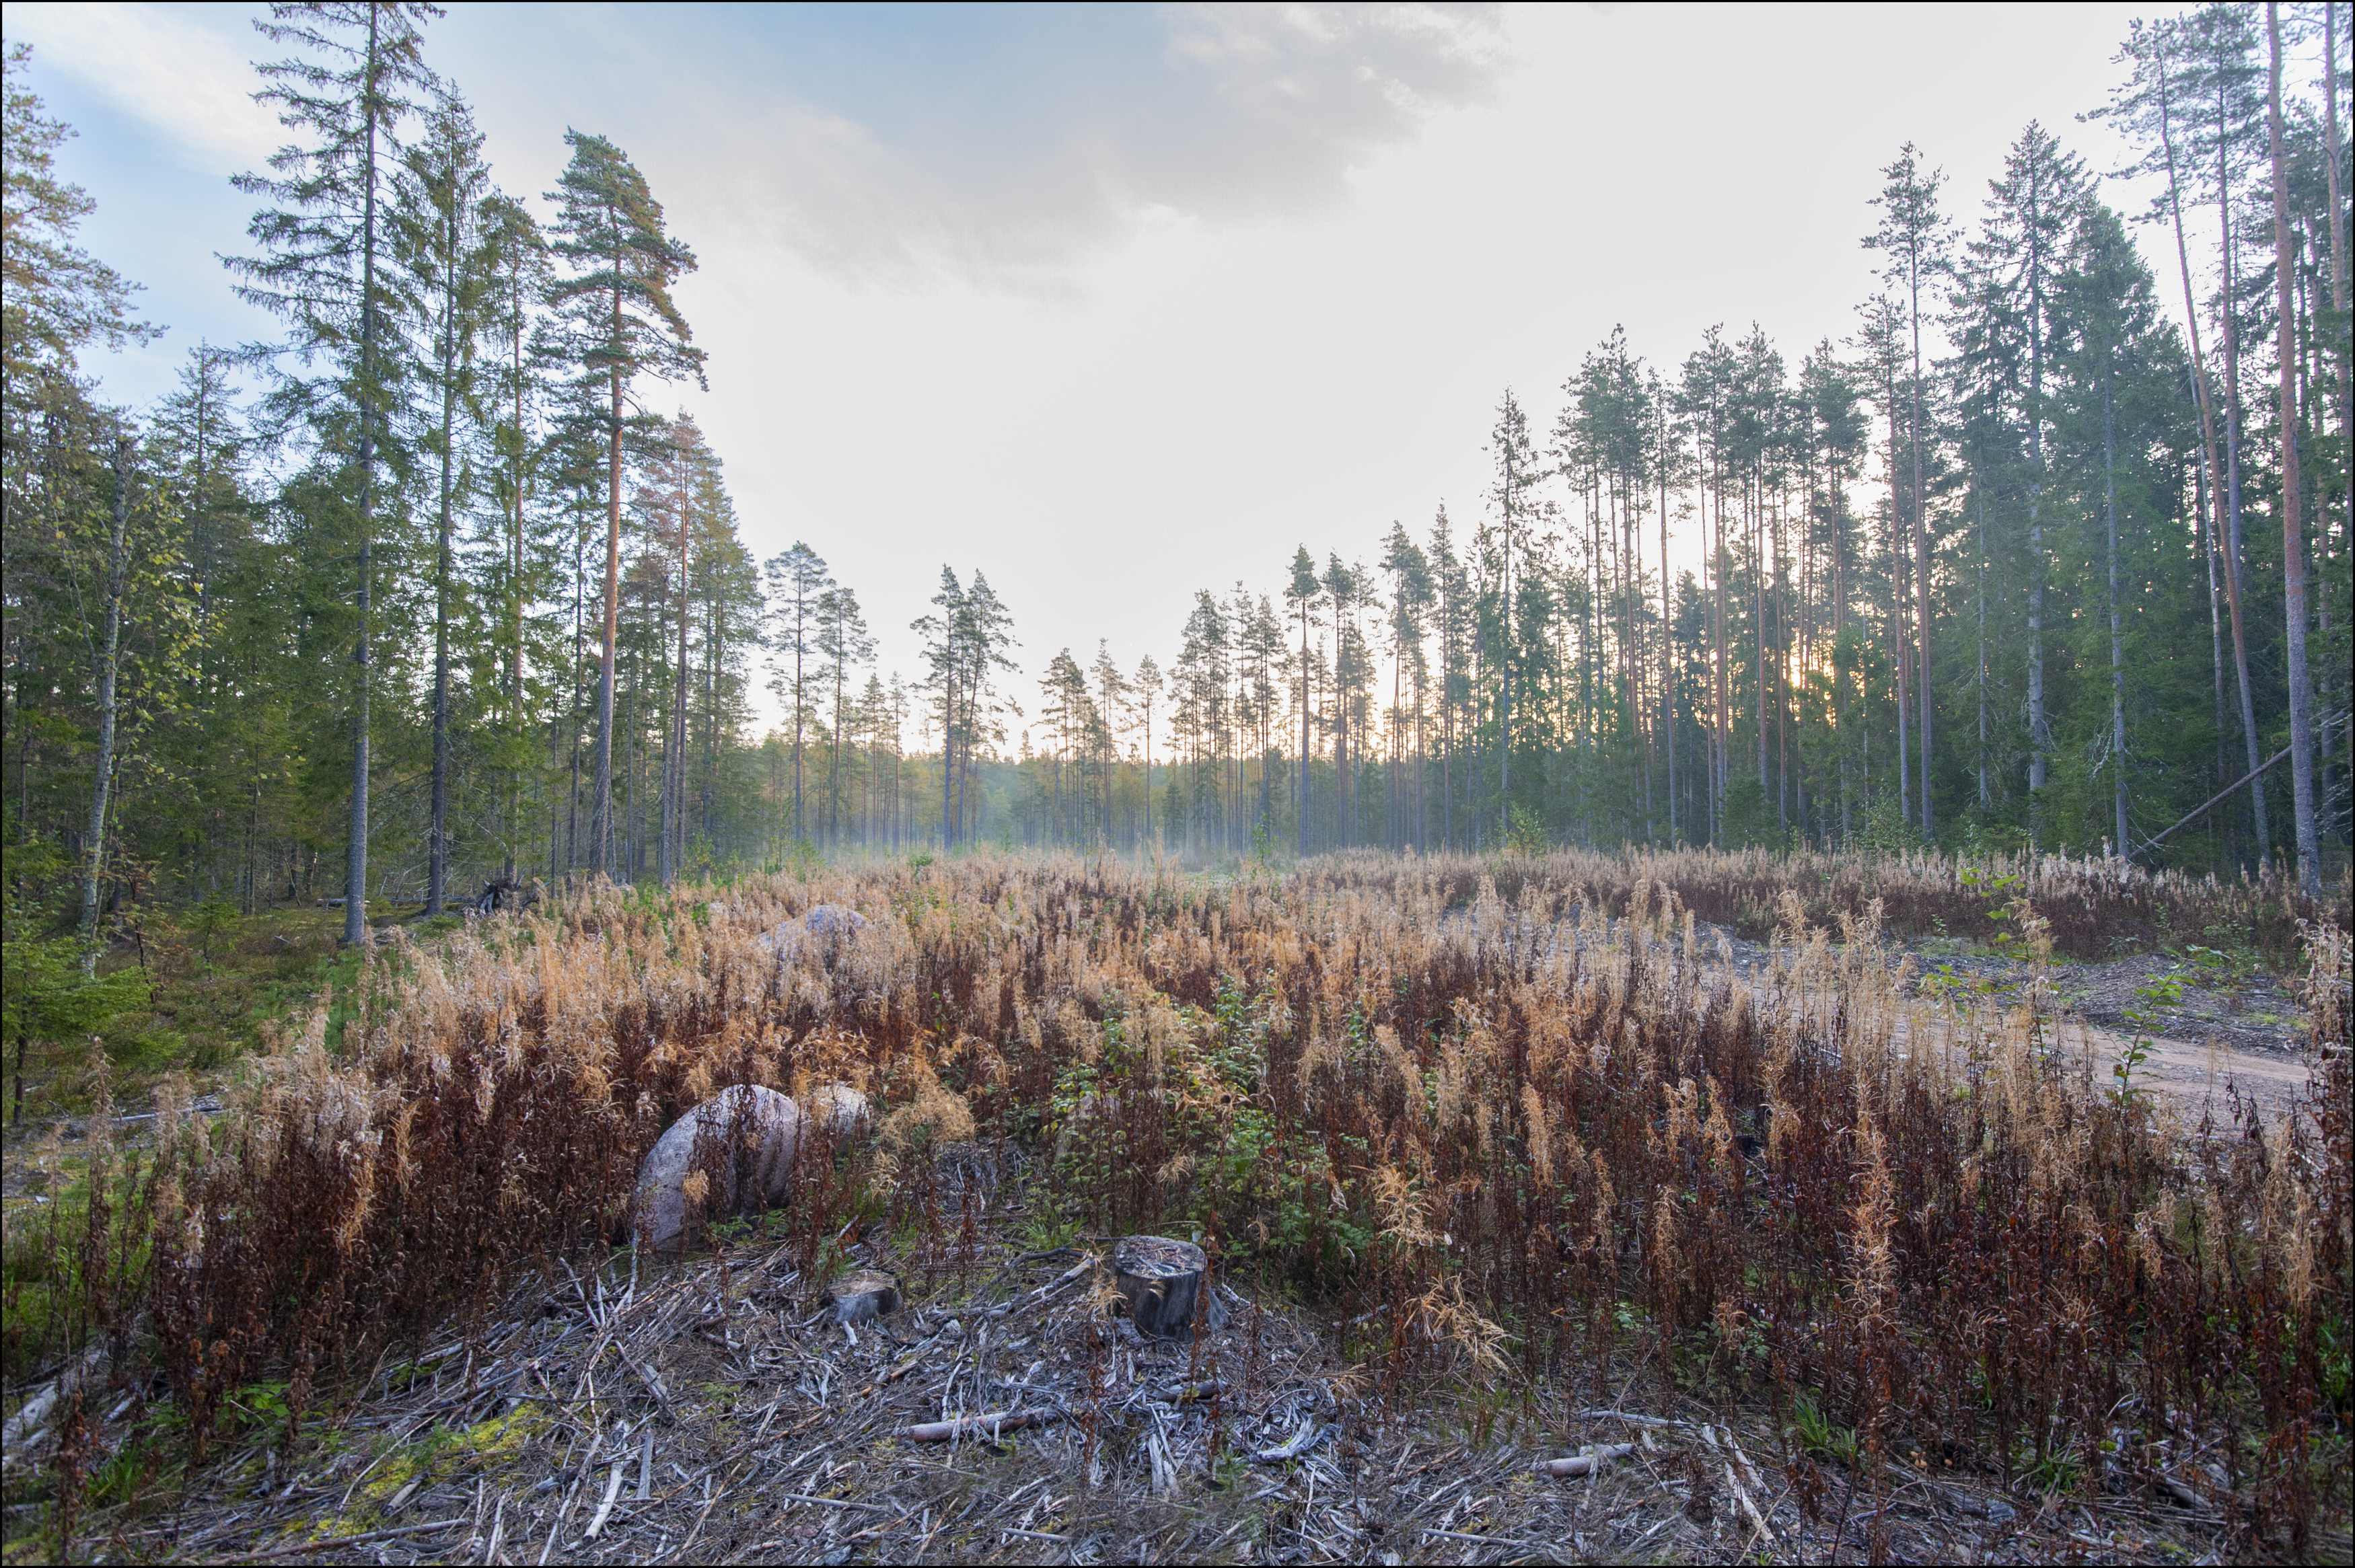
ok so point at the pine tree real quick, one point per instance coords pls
(1302, 594)
(797, 579)
(59, 299)
(620, 324)
(2301, 691)
(1912, 237)
(843, 639)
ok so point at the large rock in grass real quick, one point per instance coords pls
(740, 1142)
(830, 925)
(833, 920)
(840, 1109)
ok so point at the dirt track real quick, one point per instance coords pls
(2227, 1029)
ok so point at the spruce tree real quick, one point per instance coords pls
(326, 268)
(450, 258)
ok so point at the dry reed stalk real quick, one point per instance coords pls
(1497, 1101)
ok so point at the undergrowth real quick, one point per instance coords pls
(1510, 1119)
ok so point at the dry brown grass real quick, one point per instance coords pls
(1510, 1123)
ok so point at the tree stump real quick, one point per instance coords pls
(1163, 1281)
(863, 1296)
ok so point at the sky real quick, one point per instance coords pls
(1115, 304)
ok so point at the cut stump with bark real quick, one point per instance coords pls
(863, 1296)
(1163, 1280)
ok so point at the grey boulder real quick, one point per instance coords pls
(840, 1109)
(743, 1139)
(832, 923)
(833, 920)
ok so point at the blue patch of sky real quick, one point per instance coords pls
(964, 91)
(160, 223)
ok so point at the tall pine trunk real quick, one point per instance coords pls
(2117, 643)
(601, 811)
(1667, 666)
(437, 850)
(2210, 486)
(515, 598)
(2230, 483)
(673, 855)
(2301, 694)
(2346, 361)
(1307, 697)
(109, 664)
(1900, 663)
(355, 927)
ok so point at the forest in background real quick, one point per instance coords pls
(428, 593)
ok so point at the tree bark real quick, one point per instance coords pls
(2118, 644)
(437, 849)
(356, 926)
(601, 822)
(2301, 694)
(2228, 481)
(1165, 1282)
(108, 663)
(1922, 562)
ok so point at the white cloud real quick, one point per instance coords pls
(1249, 113)
(191, 81)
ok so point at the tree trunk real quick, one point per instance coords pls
(1921, 566)
(109, 660)
(1900, 663)
(1667, 656)
(514, 597)
(2118, 644)
(437, 848)
(674, 854)
(1166, 1283)
(1307, 698)
(2040, 729)
(1979, 496)
(2346, 360)
(2230, 494)
(600, 825)
(2301, 696)
(356, 926)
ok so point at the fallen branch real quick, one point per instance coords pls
(1301, 1441)
(1584, 1464)
(989, 1425)
(613, 1490)
(32, 1419)
(834, 1502)
(1032, 1297)
(332, 1542)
